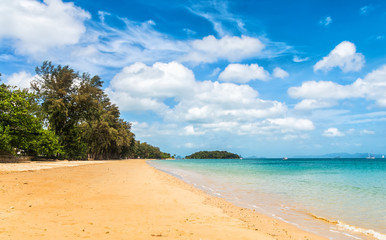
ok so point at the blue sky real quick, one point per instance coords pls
(264, 78)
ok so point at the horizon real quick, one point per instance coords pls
(268, 78)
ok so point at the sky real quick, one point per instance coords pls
(264, 78)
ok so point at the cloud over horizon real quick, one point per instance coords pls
(205, 105)
(323, 94)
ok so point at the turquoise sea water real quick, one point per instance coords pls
(336, 198)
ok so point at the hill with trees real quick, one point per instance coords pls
(213, 155)
(66, 116)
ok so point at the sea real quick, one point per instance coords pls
(334, 198)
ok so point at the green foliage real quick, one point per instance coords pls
(147, 151)
(5, 141)
(21, 130)
(213, 155)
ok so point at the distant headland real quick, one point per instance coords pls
(213, 155)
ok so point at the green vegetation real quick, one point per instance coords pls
(68, 116)
(213, 155)
(20, 128)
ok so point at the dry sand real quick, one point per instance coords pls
(123, 200)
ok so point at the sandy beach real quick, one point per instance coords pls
(122, 200)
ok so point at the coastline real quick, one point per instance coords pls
(126, 199)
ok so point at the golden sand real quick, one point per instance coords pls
(123, 200)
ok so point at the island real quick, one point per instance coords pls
(213, 155)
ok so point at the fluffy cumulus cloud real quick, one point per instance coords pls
(231, 48)
(323, 90)
(280, 73)
(141, 87)
(20, 80)
(225, 102)
(35, 26)
(243, 73)
(326, 93)
(344, 56)
(332, 132)
(199, 106)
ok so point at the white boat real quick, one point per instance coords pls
(285, 158)
(370, 156)
(383, 156)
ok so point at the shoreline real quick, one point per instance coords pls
(125, 199)
(276, 228)
(259, 198)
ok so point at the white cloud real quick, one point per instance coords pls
(294, 123)
(106, 46)
(200, 107)
(211, 49)
(344, 56)
(326, 21)
(374, 85)
(367, 132)
(298, 59)
(323, 90)
(215, 72)
(216, 12)
(140, 87)
(61, 32)
(102, 15)
(366, 9)
(332, 132)
(35, 27)
(243, 73)
(191, 131)
(326, 93)
(280, 73)
(161, 80)
(226, 102)
(7, 57)
(309, 104)
(63, 37)
(20, 80)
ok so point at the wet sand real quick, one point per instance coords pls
(123, 200)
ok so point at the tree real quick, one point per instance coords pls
(20, 128)
(68, 99)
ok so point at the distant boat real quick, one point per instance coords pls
(383, 156)
(370, 156)
(285, 158)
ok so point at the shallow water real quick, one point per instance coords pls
(336, 198)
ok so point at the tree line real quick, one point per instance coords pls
(67, 115)
(213, 155)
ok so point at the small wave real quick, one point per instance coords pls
(368, 232)
(347, 227)
(346, 234)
